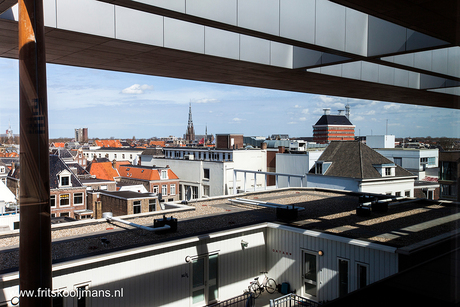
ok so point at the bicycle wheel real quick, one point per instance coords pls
(255, 290)
(270, 286)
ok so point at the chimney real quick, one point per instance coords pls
(114, 164)
(167, 166)
(341, 112)
(263, 145)
(280, 149)
(327, 111)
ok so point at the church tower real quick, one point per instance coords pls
(190, 133)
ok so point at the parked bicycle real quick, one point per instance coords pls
(256, 288)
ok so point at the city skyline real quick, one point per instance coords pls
(123, 105)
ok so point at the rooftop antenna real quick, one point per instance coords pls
(347, 112)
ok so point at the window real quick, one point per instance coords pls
(172, 189)
(152, 205)
(155, 189)
(123, 156)
(206, 173)
(130, 156)
(195, 192)
(164, 189)
(343, 277)
(64, 214)
(15, 225)
(309, 274)
(164, 174)
(137, 207)
(53, 200)
(398, 194)
(206, 190)
(407, 193)
(398, 161)
(64, 200)
(82, 296)
(114, 156)
(53, 214)
(387, 171)
(103, 187)
(319, 168)
(78, 199)
(361, 274)
(65, 181)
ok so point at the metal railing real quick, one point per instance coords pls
(243, 300)
(291, 300)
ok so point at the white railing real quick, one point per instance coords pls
(266, 174)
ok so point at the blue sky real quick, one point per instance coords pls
(121, 105)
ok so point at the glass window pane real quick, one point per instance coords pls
(362, 276)
(198, 272)
(310, 267)
(198, 296)
(343, 277)
(212, 293)
(213, 267)
(310, 289)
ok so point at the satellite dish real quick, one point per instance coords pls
(188, 194)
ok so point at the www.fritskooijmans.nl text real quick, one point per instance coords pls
(76, 293)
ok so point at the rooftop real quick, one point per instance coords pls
(407, 224)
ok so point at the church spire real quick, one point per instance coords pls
(190, 134)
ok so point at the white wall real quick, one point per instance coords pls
(9, 220)
(386, 186)
(296, 164)
(411, 157)
(330, 182)
(380, 141)
(284, 259)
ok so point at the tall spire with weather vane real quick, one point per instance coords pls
(190, 134)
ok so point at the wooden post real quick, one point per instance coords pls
(35, 222)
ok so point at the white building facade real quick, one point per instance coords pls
(199, 270)
(208, 173)
(296, 164)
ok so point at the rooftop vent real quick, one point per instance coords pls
(327, 111)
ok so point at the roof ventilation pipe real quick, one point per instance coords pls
(111, 218)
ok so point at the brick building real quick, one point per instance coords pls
(155, 179)
(121, 203)
(333, 128)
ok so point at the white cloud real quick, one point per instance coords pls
(292, 123)
(236, 119)
(305, 111)
(358, 118)
(297, 106)
(327, 99)
(303, 119)
(392, 107)
(206, 100)
(137, 89)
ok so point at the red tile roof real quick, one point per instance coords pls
(144, 173)
(157, 143)
(58, 144)
(103, 170)
(108, 143)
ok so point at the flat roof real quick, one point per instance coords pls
(407, 223)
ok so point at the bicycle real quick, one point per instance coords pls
(256, 288)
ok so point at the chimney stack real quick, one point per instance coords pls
(327, 111)
(341, 112)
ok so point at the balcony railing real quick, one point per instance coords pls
(244, 300)
(291, 300)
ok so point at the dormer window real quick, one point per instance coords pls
(64, 179)
(321, 167)
(164, 174)
(386, 170)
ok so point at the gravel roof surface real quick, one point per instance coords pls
(331, 212)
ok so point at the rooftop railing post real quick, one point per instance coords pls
(34, 195)
(255, 181)
(234, 182)
(244, 182)
(266, 183)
